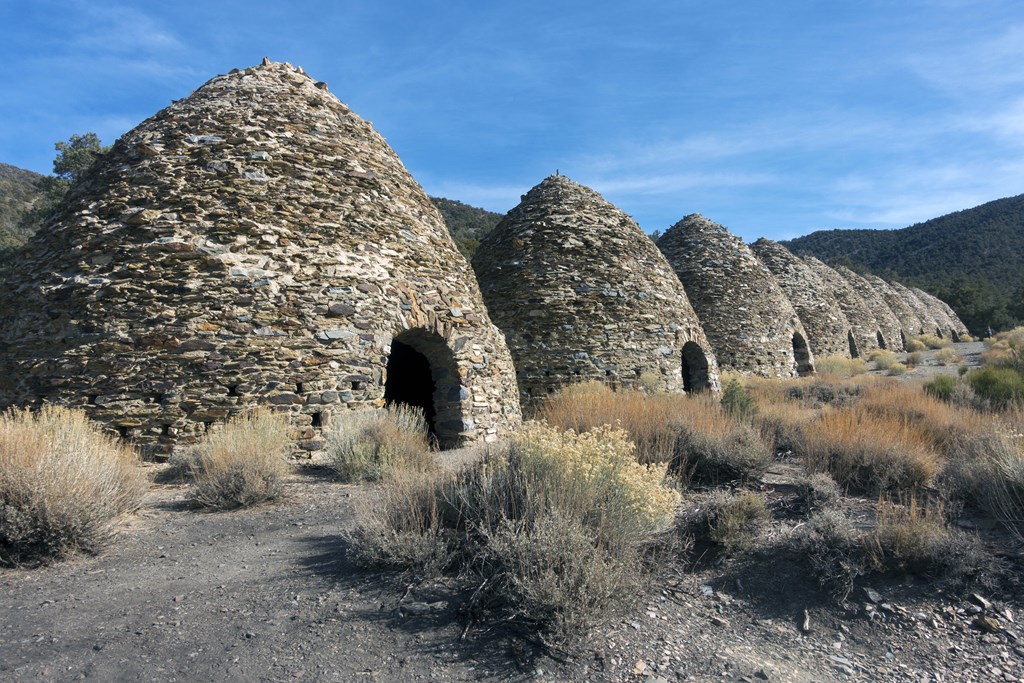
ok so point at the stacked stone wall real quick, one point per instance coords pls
(582, 293)
(254, 243)
(863, 326)
(888, 324)
(748, 319)
(825, 322)
(910, 324)
(922, 311)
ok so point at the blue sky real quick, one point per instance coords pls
(772, 118)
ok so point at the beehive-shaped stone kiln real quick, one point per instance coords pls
(254, 243)
(827, 327)
(949, 324)
(910, 325)
(888, 324)
(923, 313)
(864, 333)
(750, 323)
(581, 294)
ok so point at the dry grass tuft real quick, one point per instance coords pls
(646, 418)
(882, 359)
(838, 366)
(63, 484)
(946, 356)
(241, 463)
(868, 452)
(370, 445)
(714, 446)
(915, 345)
(932, 341)
(915, 358)
(911, 536)
(728, 519)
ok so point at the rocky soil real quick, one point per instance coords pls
(270, 595)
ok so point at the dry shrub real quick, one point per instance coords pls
(915, 358)
(941, 387)
(410, 522)
(835, 550)
(819, 491)
(882, 359)
(1002, 386)
(896, 370)
(868, 452)
(729, 519)
(369, 445)
(994, 474)
(714, 446)
(915, 345)
(241, 463)
(911, 536)
(63, 484)
(946, 356)
(946, 425)
(838, 366)
(558, 523)
(932, 341)
(646, 418)
(782, 423)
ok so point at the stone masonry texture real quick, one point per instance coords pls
(909, 322)
(254, 243)
(922, 311)
(582, 293)
(947, 320)
(748, 319)
(825, 322)
(864, 327)
(888, 323)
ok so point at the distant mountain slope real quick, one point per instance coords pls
(467, 224)
(17, 193)
(972, 259)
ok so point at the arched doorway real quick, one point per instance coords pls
(903, 339)
(422, 372)
(881, 339)
(695, 369)
(955, 337)
(853, 344)
(802, 355)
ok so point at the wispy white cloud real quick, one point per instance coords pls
(120, 28)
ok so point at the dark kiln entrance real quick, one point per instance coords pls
(695, 368)
(802, 355)
(421, 372)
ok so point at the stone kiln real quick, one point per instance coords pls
(889, 329)
(949, 324)
(254, 243)
(928, 323)
(910, 325)
(750, 323)
(827, 327)
(582, 293)
(864, 333)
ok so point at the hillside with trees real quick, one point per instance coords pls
(972, 259)
(467, 224)
(18, 193)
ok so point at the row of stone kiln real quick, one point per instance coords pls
(259, 243)
(581, 293)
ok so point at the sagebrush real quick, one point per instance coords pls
(63, 485)
(242, 462)
(369, 445)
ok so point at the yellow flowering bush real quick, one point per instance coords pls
(594, 474)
